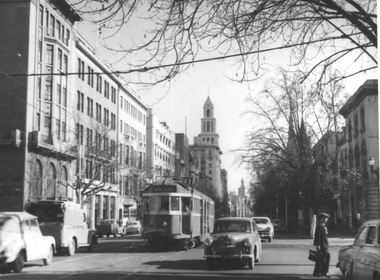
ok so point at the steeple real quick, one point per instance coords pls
(208, 135)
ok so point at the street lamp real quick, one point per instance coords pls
(371, 163)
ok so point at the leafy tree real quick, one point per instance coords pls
(180, 33)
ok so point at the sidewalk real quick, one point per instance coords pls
(333, 234)
(342, 238)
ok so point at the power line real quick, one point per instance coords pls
(145, 69)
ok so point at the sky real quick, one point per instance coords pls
(180, 102)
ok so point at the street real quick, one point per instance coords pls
(129, 258)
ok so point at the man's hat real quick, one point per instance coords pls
(323, 215)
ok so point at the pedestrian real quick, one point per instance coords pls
(357, 223)
(313, 226)
(322, 245)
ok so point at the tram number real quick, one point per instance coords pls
(164, 189)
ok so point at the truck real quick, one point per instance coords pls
(66, 222)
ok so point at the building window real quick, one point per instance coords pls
(36, 182)
(357, 156)
(106, 117)
(208, 113)
(364, 158)
(106, 90)
(362, 119)
(51, 26)
(62, 186)
(356, 125)
(98, 112)
(51, 182)
(113, 121)
(80, 104)
(349, 131)
(113, 96)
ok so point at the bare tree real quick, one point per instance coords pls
(291, 118)
(180, 33)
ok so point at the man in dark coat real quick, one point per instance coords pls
(322, 243)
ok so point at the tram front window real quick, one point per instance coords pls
(164, 206)
(174, 203)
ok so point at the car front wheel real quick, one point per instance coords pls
(18, 264)
(49, 257)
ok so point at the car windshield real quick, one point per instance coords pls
(232, 226)
(46, 212)
(261, 221)
(7, 224)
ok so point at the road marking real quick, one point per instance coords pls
(134, 272)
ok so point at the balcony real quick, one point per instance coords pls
(52, 146)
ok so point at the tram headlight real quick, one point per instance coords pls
(164, 224)
(208, 241)
(247, 242)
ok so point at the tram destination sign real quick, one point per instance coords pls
(164, 188)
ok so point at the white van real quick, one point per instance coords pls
(66, 222)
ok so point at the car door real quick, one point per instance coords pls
(32, 250)
(359, 242)
(368, 259)
(39, 239)
(82, 232)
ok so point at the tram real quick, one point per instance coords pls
(176, 214)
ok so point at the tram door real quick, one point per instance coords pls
(202, 219)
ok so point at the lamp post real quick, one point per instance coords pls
(371, 163)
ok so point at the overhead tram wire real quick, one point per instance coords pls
(145, 69)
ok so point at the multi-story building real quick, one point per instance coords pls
(132, 126)
(182, 161)
(68, 124)
(206, 151)
(37, 131)
(160, 152)
(359, 186)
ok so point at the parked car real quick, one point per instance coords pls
(265, 228)
(21, 240)
(66, 222)
(133, 227)
(279, 225)
(233, 238)
(109, 227)
(361, 260)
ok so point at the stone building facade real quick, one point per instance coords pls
(359, 186)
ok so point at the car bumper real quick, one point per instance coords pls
(265, 234)
(228, 253)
